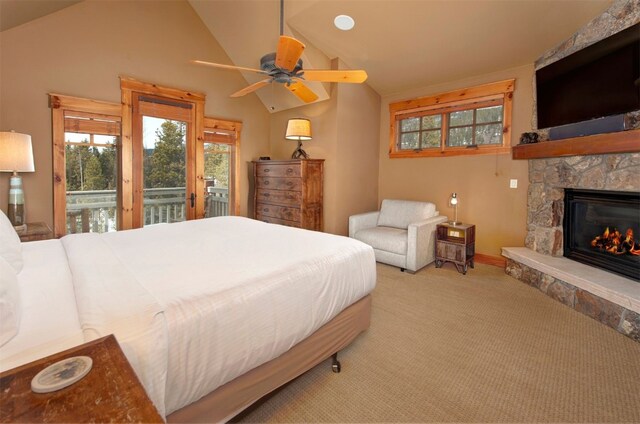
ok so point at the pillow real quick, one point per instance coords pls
(401, 213)
(9, 302)
(10, 246)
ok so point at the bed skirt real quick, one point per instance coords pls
(233, 397)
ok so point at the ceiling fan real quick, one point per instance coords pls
(285, 66)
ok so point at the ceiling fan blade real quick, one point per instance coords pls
(230, 67)
(302, 91)
(288, 53)
(253, 87)
(327, 75)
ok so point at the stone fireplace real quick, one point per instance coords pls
(609, 298)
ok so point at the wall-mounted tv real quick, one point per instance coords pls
(600, 80)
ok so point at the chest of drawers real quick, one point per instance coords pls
(289, 192)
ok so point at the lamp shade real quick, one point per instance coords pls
(298, 129)
(16, 153)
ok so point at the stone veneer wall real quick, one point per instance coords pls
(549, 177)
(608, 313)
(620, 15)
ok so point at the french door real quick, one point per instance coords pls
(164, 160)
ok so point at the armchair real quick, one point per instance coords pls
(402, 233)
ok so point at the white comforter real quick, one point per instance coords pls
(196, 304)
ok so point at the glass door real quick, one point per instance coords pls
(164, 165)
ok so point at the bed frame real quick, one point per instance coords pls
(233, 397)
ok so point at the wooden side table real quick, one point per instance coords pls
(110, 392)
(35, 231)
(455, 243)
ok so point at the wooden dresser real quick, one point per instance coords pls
(289, 192)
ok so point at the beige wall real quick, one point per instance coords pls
(345, 135)
(81, 51)
(482, 182)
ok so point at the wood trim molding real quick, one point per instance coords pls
(159, 90)
(61, 106)
(619, 142)
(490, 260)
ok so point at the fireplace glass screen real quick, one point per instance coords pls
(602, 229)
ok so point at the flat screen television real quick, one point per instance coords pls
(600, 80)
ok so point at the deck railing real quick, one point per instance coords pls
(95, 210)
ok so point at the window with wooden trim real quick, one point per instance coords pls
(86, 137)
(474, 120)
(152, 158)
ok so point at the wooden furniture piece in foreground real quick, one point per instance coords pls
(35, 231)
(289, 192)
(110, 392)
(455, 243)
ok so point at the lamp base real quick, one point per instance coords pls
(20, 228)
(454, 223)
(299, 153)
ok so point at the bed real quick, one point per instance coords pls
(212, 314)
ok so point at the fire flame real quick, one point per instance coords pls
(614, 243)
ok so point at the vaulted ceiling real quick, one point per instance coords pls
(402, 44)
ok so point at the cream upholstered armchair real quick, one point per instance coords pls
(402, 233)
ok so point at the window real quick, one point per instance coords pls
(475, 120)
(153, 158)
(86, 141)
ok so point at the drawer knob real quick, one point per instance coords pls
(289, 183)
(289, 170)
(265, 210)
(265, 182)
(267, 170)
(265, 194)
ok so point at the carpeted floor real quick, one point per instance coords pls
(443, 347)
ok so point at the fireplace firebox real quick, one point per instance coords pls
(602, 229)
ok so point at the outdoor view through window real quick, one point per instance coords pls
(91, 176)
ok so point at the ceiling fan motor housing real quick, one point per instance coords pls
(267, 64)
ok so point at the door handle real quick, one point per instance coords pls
(192, 198)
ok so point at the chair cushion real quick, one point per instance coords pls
(384, 238)
(401, 213)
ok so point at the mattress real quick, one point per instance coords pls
(196, 304)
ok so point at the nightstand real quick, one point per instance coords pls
(35, 231)
(455, 243)
(110, 392)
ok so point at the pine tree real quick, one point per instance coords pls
(167, 163)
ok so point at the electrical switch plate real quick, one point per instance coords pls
(513, 183)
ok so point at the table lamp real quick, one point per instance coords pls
(16, 155)
(453, 201)
(298, 129)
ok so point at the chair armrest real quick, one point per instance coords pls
(363, 220)
(421, 242)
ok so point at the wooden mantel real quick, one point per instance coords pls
(619, 142)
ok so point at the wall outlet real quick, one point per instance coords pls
(513, 183)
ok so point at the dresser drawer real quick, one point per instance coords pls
(293, 184)
(279, 197)
(271, 220)
(281, 212)
(273, 170)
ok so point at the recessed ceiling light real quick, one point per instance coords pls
(344, 22)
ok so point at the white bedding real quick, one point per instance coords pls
(196, 304)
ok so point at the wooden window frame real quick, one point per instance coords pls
(128, 215)
(62, 106)
(500, 92)
(101, 117)
(233, 128)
